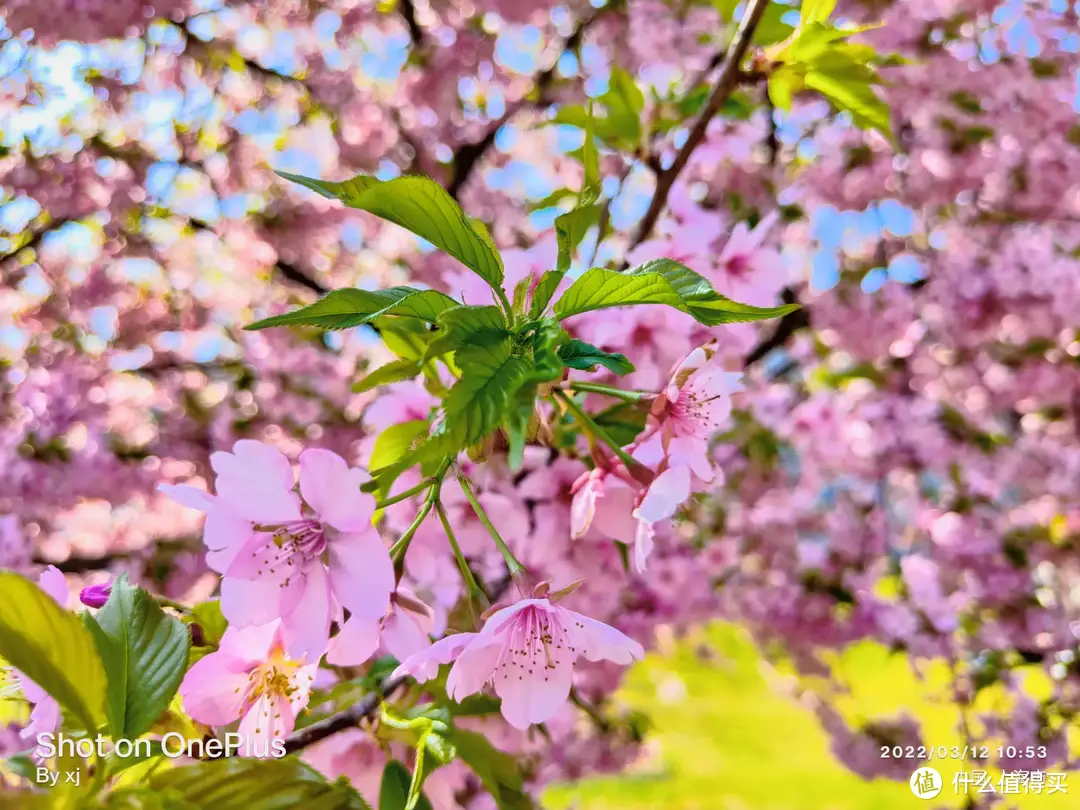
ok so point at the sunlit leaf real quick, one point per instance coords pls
(343, 309)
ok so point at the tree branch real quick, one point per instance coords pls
(468, 155)
(408, 13)
(729, 77)
(787, 326)
(349, 718)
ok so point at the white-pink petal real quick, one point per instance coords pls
(362, 573)
(665, 495)
(332, 489)
(601, 641)
(424, 665)
(355, 643)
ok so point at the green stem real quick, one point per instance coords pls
(499, 291)
(397, 551)
(425, 484)
(475, 592)
(607, 390)
(516, 568)
(594, 429)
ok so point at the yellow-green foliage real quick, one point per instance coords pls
(730, 733)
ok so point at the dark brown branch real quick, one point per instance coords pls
(730, 76)
(35, 238)
(787, 326)
(287, 270)
(349, 718)
(468, 155)
(408, 13)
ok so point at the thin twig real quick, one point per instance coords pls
(468, 155)
(349, 718)
(728, 79)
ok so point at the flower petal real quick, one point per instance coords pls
(306, 629)
(424, 665)
(536, 695)
(599, 641)
(665, 495)
(52, 581)
(355, 643)
(362, 573)
(248, 646)
(402, 636)
(332, 489)
(214, 689)
(270, 718)
(245, 602)
(255, 482)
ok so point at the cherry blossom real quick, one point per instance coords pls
(270, 545)
(250, 678)
(527, 652)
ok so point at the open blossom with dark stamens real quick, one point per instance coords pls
(251, 678)
(282, 556)
(527, 652)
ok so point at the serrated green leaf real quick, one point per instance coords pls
(145, 661)
(395, 441)
(545, 288)
(256, 784)
(343, 309)
(816, 11)
(479, 401)
(660, 281)
(848, 86)
(624, 420)
(422, 206)
(405, 337)
(586, 357)
(499, 772)
(464, 325)
(394, 788)
(53, 649)
(396, 371)
(570, 229)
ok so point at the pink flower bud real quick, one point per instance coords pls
(95, 596)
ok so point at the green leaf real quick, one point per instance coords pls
(406, 337)
(498, 771)
(210, 619)
(422, 206)
(660, 281)
(393, 372)
(784, 83)
(624, 102)
(52, 648)
(816, 10)
(395, 441)
(479, 401)
(624, 420)
(848, 86)
(256, 784)
(342, 309)
(584, 356)
(145, 660)
(464, 325)
(394, 789)
(570, 229)
(545, 288)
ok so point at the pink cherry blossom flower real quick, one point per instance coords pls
(250, 678)
(527, 652)
(301, 560)
(402, 632)
(45, 717)
(695, 404)
(747, 270)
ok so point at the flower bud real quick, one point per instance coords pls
(95, 596)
